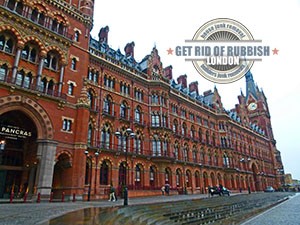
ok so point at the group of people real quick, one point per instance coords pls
(165, 189)
(215, 190)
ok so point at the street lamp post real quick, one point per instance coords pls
(86, 152)
(128, 133)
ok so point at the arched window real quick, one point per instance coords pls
(88, 167)
(175, 126)
(185, 153)
(202, 156)
(137, 144)
(123, 110)
(61, 28)
(178, 178)
(107, 106)
(20, 77)
(152, 176)
(138, 178)
(165, 148)
(156, 146)
(93, 76)
(192, 132)
(90, 98)
(137, 115)
(176, 151)
(122, 174)
(104, 173)
(184, 129)
(11, 4)
(44, 84)
(207, 137)
(90, 133)
(3, 72)
(197, 179)
(34, 15)
(54, 25)
(6, 44)
(225, 160)
(41, 19)
(51, 61)
(200, 134)
(29, 52)
(27, 80)
(25, 52)
(168, 176)
(105, 137)
(155, 120)
(194, 155)
(188, 178)
(19, 8)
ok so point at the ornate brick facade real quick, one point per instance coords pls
(98, 117)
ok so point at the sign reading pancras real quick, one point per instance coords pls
(13, 132)
(223, 50)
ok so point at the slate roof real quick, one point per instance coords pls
(206, 100)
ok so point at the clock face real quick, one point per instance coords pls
(252, 106)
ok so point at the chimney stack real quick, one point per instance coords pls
(194, 87)
(168, 72)
(129, 50)
(182, 80)
(103, 35)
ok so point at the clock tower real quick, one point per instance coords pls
(257, 107)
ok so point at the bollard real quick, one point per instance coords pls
(63, 197)
(51, 197)
(25, 197)
(11, 197)
(74, 199)
(38, 198)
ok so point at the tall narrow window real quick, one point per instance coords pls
(137, 115)
(156, 146)
(73, 64)
(71, 89)
(90, 132)
(76, 36)
(3, 71)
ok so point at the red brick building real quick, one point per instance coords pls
(77, 116)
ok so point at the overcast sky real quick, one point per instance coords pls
(167, 24)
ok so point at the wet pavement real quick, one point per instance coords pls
(286, 213)
(41, 213)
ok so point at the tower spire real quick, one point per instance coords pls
(250, 85)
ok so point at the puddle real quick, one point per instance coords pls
(88, 216)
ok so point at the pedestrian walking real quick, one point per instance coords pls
(112, 194)
(163, 190)
(167, 189)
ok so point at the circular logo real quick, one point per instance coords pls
(225, 60)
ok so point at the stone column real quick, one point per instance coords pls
(16, 63)
(61, 79)
(46, 155)
(40, 70)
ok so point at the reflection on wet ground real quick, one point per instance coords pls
(231, 209)
(88, 216)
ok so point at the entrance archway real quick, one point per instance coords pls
(18, 154)
(27, 149)
(61, 171)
